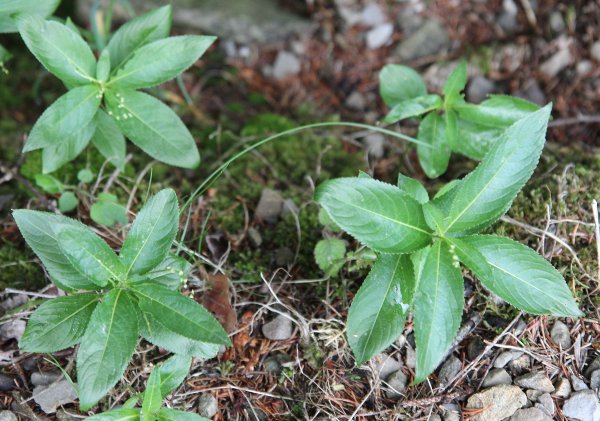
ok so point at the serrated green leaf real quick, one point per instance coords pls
(109, 140)
(330, 255)
(89, 254)
(469, 256)
(398, 83)
(67, 202)
(171, 272)
(498, 111)
(152, 396)
(434, 160)
(452, 131)
(166, 414)
(326, 221)
(438, 308)
(131, 402)
(377, 214)
(156, 333)
(434, 217)
(180, 314)
(486, 193)
(475, 139)
(377, 314)
(522, 277)
(160, 61)
(106, 347)
(103, 66)
(55, 156)
(413, 107)
(9, 8)
(121, 414)
(36, 229)
(146, 28)
(153, 127)
(85, 175)
(413, 188)
(60, 50)
(58, 323)
(67, 115)
(454, 85)
(151, 234)
(49, 184)
(107, 211)
(173, 372)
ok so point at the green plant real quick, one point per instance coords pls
(162, 381)
(421, 244)
(127, 295)
(448, 123)
(10, 9)
(105, 210)
(103, 103)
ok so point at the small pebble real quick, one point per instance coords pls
(530, 414)
(497, 376)
(521, 364)
(384, 365)
(546, 401)
(578, 384)
(560, 335)
(538, 381)
(449, 370)
(6, 383)
(278, 329)
(8, 416)
(595, 380)
(595, 51)
(207, 405)
(562, 388)
(397, 382)
(583, 406)
(505, 357)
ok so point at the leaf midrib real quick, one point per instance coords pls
(76, 66)
(437, 290)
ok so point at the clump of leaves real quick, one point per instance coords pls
(10, 9)
(103, 104)
(446, 119)
(421, 244)
(127, 295)
(162, 381)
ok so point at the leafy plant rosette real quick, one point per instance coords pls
(103, 103)
(125, 296)
(162, 381)
(421, 244)
(447, 118)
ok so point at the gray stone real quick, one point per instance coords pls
(379, 36)
(578, 384)
(411, 357)
(207, 405)
(242, 21)
(538, 381)
(595, 380)
(286, 64)
(532, 91)
(14, 301)
(8, 416)
(278, 329)
(584, 66)
(595, 51)
(430, 39)
(44, 378)
(530, 414)
(449, 369)
(372, 15)
(397, 384)
(582, 406)
(562, 388)
(533, 394)
(557, 23)
(508, 18)
(497, 376)
(12, 330)
(375, 144)
(275, 362)
(356, 101)
(479, 88)
(547, 403)
(520, 327)
(62, 415)
(6, 383)
(410, 20)
(519, 365)
(557, 62)
(255, 237)
(269, 206)
(497, 402)
(384, 365)
(505, 357)
(451, 416)
(560, 335)
(475, 348)
(593, 366)
(435, 417)
(50, 397)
